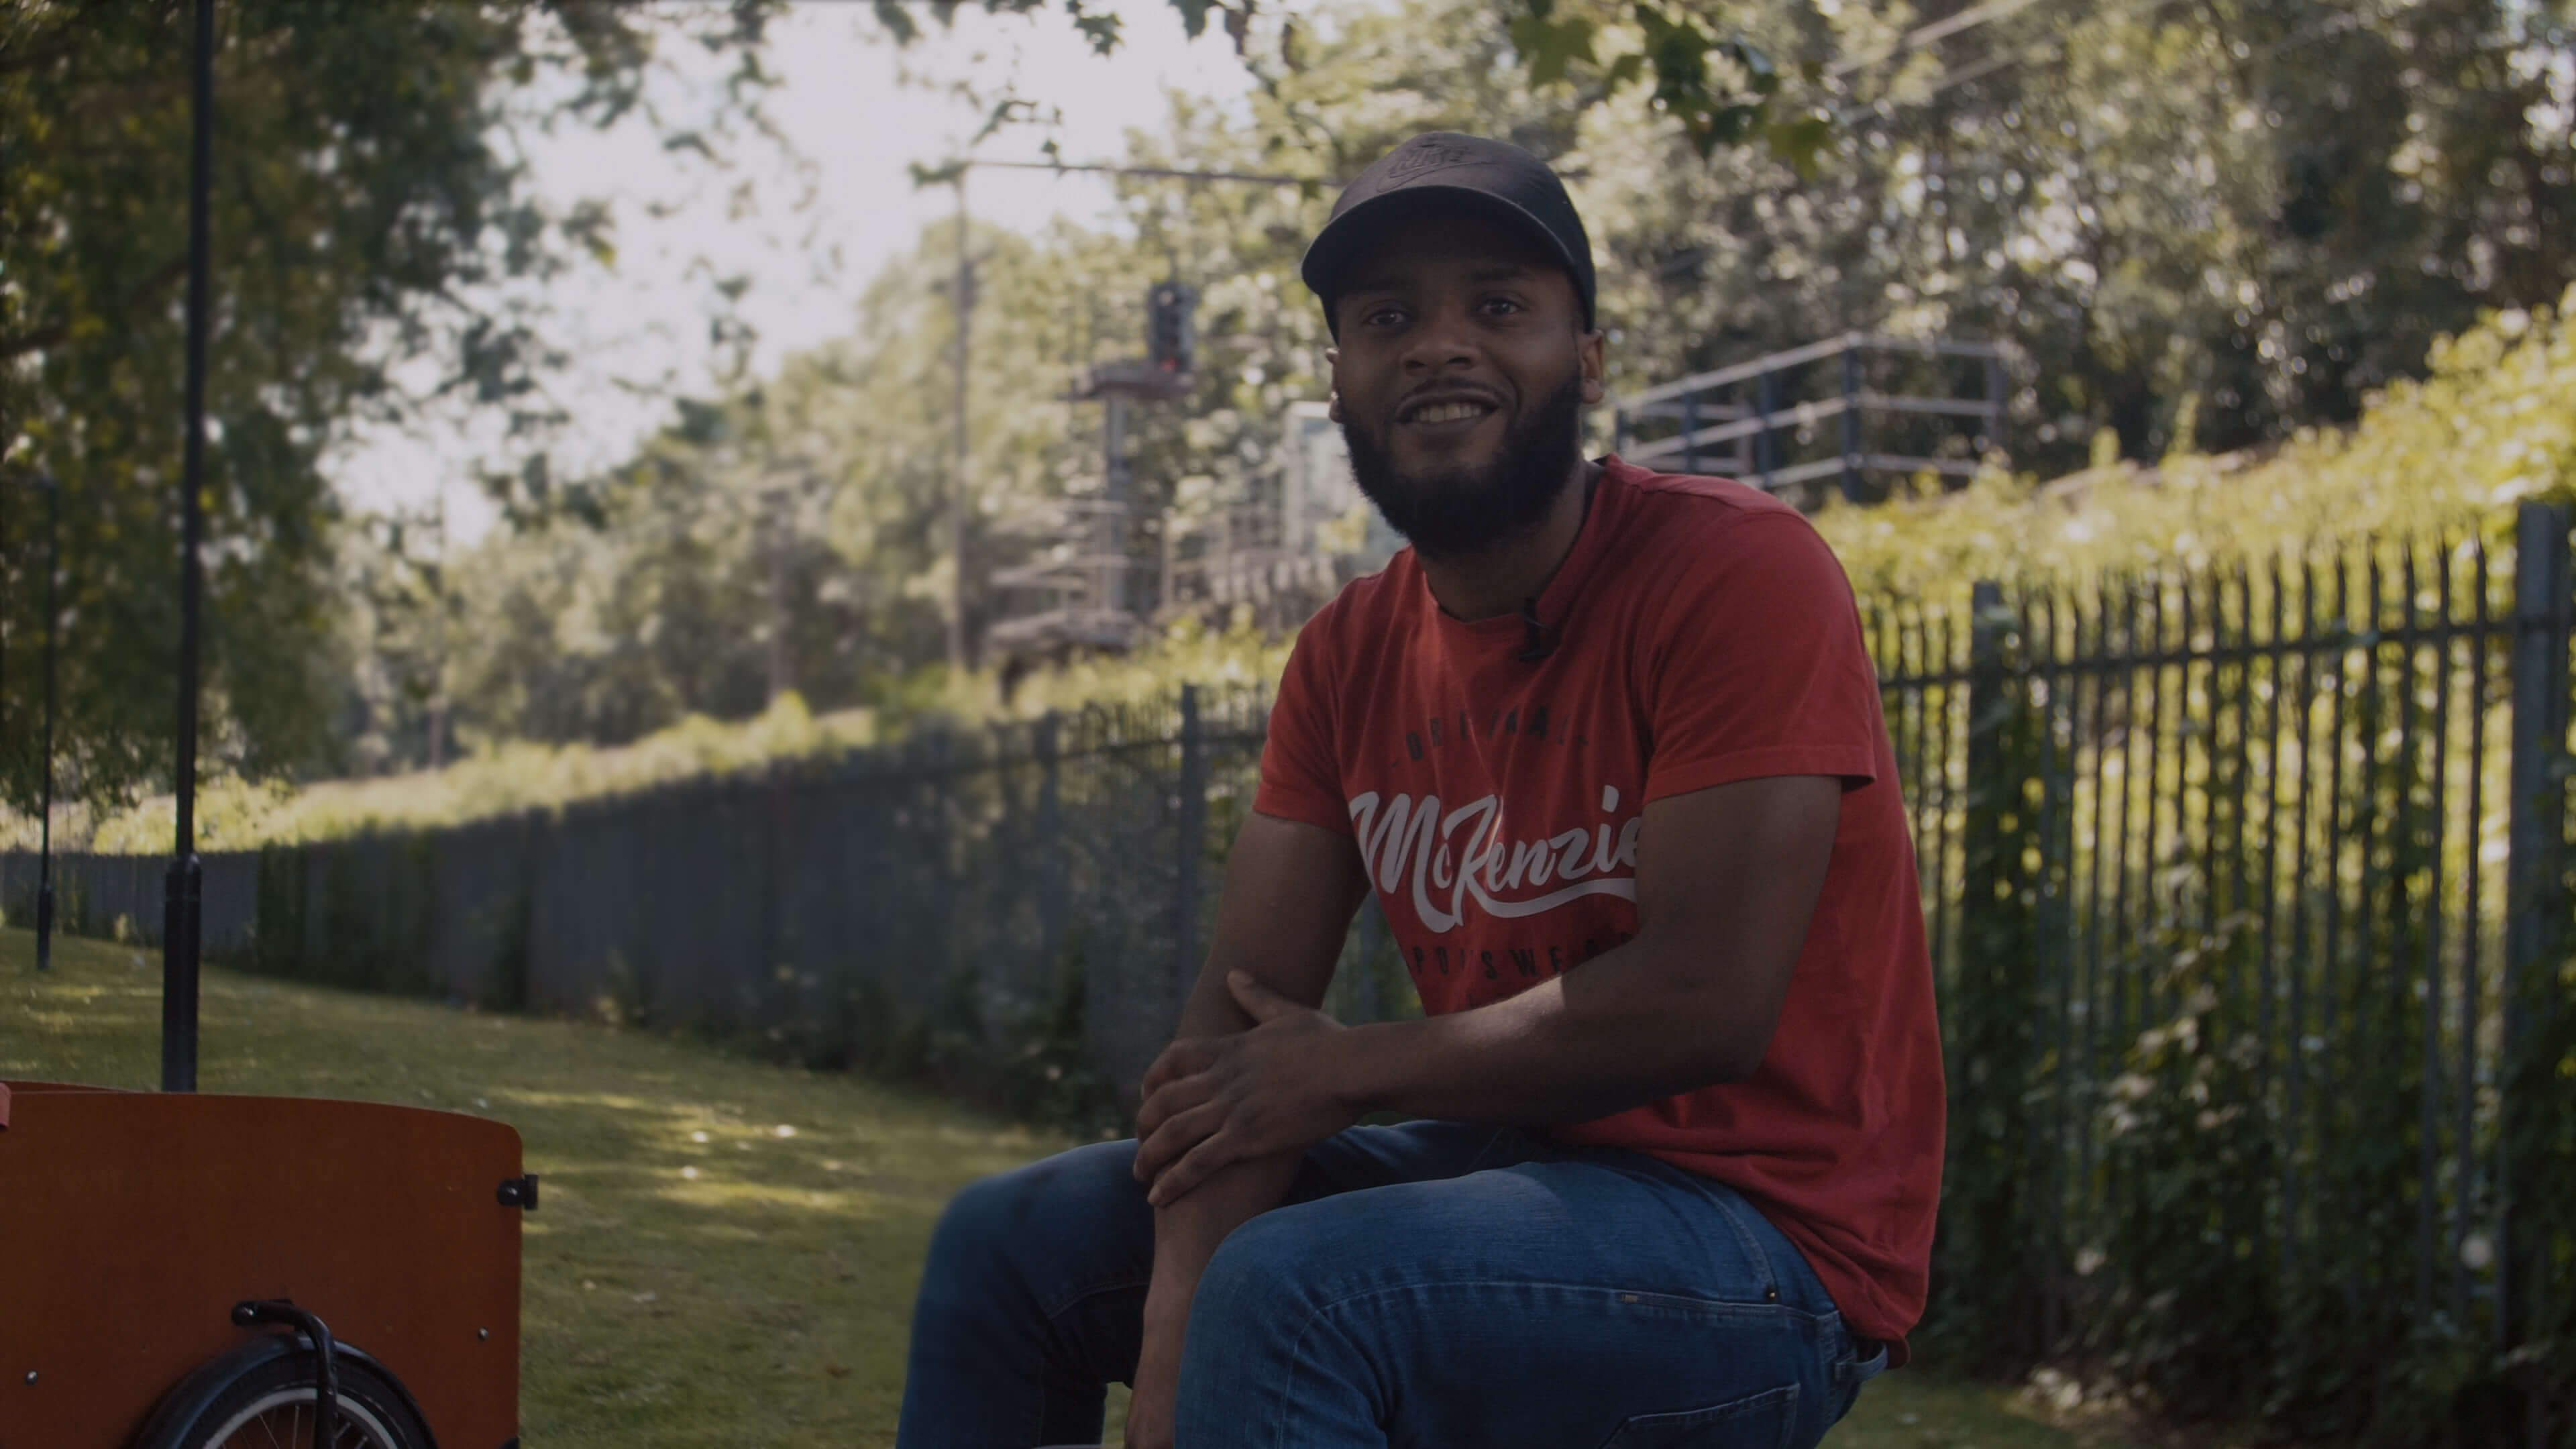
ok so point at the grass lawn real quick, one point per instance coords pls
(727, 1250)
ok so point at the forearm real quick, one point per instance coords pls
(1189, 1230)
(1622, 1031)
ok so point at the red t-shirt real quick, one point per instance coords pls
(1705, 635)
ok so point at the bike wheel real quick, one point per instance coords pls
(271, 1407)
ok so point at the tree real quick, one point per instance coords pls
(2112, 192)
(366, 202)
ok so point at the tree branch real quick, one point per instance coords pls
(161, 280)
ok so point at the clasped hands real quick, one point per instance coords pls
(1211, 1102)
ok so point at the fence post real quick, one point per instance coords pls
(1990, 1236)
(1766, 448)
(1189, 843)
(2533, 905)
(1049, 851)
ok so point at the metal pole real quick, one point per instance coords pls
(964, 302)
(1108, 542)
(2533, 899)
(181, 889)
(1851, 418)
(1766, 448)
(45, 761)
(1189, 842)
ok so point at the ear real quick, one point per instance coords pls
(1589, 356)
(1333, 366)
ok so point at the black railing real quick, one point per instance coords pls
(2257, 866)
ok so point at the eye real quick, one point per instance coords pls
(1386, 315)
(1500, 306)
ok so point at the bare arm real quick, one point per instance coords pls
(1290, 889)
(1727, 880)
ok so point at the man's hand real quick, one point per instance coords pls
(1214, 1101)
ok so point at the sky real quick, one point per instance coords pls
(858, 111)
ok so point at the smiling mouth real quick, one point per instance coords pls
(1448, 412)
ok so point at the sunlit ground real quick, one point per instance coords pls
(726, 1251)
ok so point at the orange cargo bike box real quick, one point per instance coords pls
(214, 1272)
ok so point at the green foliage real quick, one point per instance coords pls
(365, 209)
(2109, 192)
(2272, 208)
(2260, 1228)
(2493, 424)
(356, 918)
(2184, 1309)
(1991, 1224)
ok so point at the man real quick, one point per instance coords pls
(1607, 746)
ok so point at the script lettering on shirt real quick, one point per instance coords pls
(1448, 859)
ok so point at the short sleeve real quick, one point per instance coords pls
(1757, 666)
(1299, 779)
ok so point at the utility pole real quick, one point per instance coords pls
(438, 636)
(963, 301)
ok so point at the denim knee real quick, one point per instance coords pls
(1030, 1213)
(1262, 1268)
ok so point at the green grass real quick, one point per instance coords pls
(694, 1276)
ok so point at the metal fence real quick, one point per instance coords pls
(955, 878)
(2246, 888)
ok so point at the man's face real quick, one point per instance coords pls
(1460, 381)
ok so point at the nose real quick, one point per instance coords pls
(1444, 341)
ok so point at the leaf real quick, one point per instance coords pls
(1100, 29)
(1194, 14)
(896, 17)
(1799, 141)
(1547, 46)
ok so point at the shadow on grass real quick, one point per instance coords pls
(727, 1250)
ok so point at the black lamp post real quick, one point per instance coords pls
(182, 889)
(45, 761)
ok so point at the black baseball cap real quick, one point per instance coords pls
(1446, 170)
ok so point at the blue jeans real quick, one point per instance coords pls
(1430, 1284)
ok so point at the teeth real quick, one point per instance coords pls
(1450, 412)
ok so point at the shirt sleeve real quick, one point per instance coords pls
(1758, 667)
(1299, 777)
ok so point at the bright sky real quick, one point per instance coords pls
(844, 104)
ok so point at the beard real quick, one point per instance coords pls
(1469, 508)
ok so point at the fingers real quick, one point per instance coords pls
(1182, 1058)
(1264, 1003)
(1206, 1159)
(1175, 1137)
(1172, 1098)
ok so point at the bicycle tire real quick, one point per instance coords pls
(271, 1407)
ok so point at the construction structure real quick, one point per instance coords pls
(1896, 407)
(1304, 531)
(1853, 417)
(1082, 582)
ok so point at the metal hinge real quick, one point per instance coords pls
(519, 1192)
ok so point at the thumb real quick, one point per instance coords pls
(1264, 1003)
